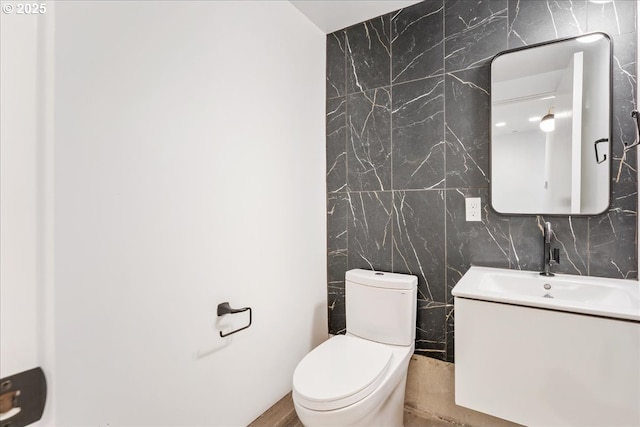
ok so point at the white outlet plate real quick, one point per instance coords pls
(473, 208)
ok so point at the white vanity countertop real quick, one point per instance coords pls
(614, 298)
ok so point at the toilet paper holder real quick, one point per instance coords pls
(225, 308)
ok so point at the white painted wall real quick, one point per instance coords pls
(516, 168)
(19, 231)
(595, 177)
(331, 15)
(560, 174)
(189, 171)
(26, 202)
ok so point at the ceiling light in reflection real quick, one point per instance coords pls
(500, 124)
(548, 123)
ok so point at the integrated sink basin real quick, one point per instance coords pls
(615, 298)
(548, 351)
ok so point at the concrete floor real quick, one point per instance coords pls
(282, 414)
(411, 419)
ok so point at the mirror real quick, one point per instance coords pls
(551, 127)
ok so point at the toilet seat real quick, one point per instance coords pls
(340, 372)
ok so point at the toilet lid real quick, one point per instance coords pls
(340, 372)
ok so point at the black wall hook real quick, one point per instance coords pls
(636, 115)
(225, 308)
(595, 146)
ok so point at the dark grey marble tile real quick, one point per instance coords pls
(612, 249)
(539, 21)
(418, 134)
(368, 48)
(624, 163)
(369, 140)
(570, 236)
(475, 31)
(624, 84)
(336, 309)
(431, 329)
(624, 188)
(336, 125)
(370, 224)
(484, 243)
(614, 18)
(419, 240)
(337, 217)
(467, 128)
(526, 245)
(624, 196)
(450, 330)
(418, 41)
(336, 62)
(337, 208)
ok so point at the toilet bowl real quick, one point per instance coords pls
(359, 379)
(352, 382)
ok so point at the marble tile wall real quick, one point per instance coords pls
(407, 141)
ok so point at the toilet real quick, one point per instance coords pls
(358, 379)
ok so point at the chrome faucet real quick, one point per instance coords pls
(550, 256)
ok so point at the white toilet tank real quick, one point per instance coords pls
(381, 306)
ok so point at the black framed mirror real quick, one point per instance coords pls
(550, 138)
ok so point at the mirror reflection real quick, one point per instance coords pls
(550, 127)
